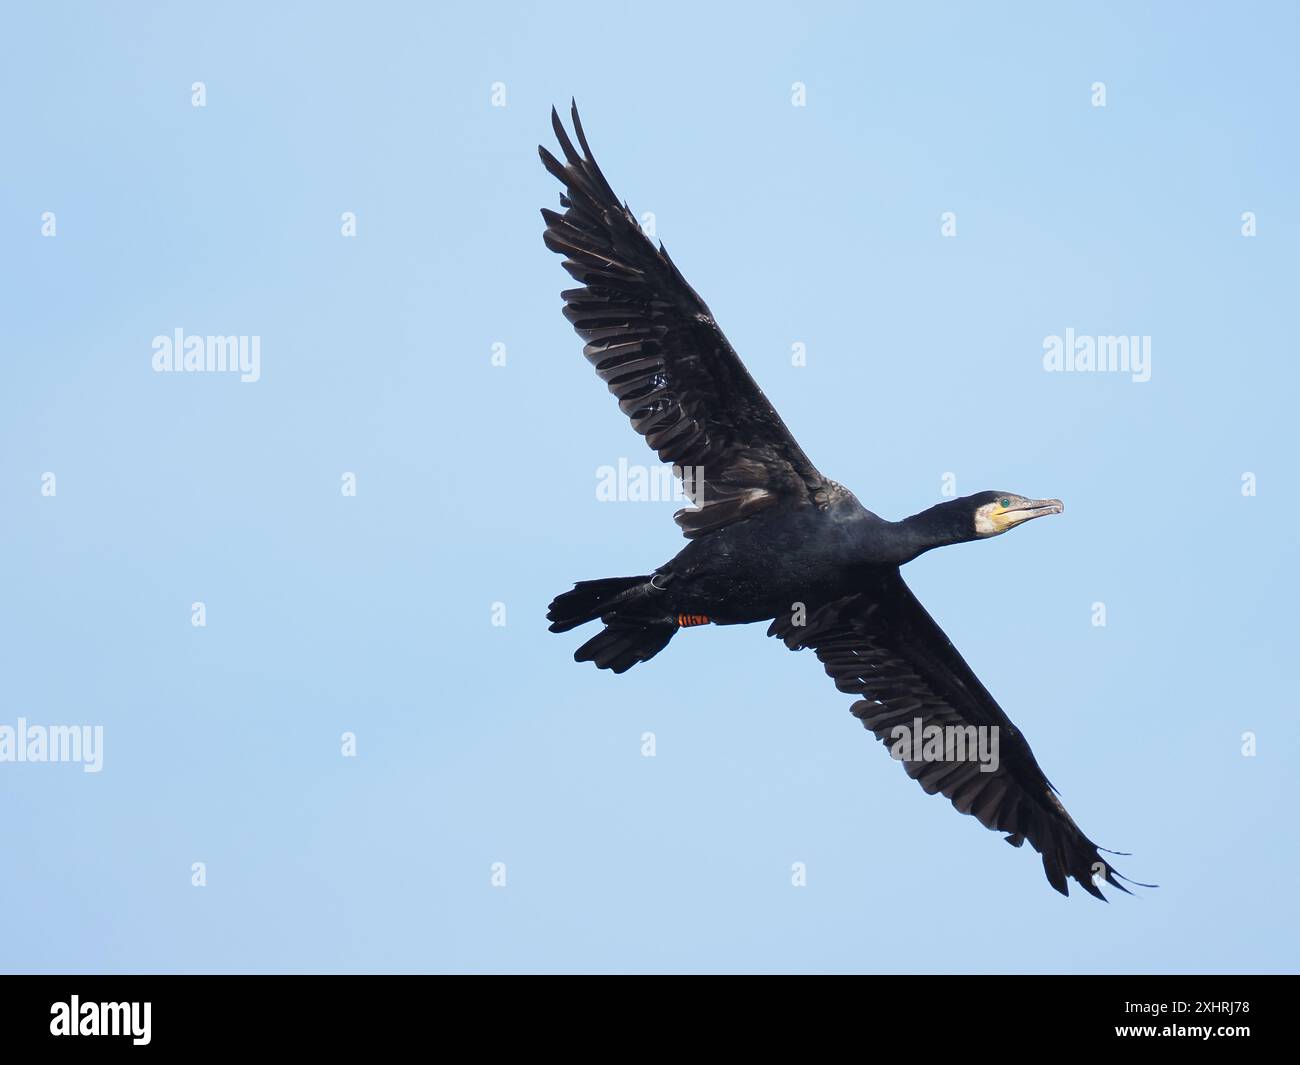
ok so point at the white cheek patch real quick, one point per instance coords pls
(984, 525)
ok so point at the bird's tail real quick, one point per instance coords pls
(622, 644)
(633, 633)
(591, 599)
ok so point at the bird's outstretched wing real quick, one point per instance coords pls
(654, 342)
(885, 647)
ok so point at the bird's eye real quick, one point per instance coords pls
(1005, 502)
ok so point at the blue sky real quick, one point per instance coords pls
(479, 743)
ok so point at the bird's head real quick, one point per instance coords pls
(992, 513)
(977, 517)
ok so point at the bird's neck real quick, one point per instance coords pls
(946, 523)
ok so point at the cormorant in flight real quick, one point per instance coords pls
(771, 539)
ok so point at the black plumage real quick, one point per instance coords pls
(771, 539)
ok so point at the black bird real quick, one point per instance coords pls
(771, 539)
